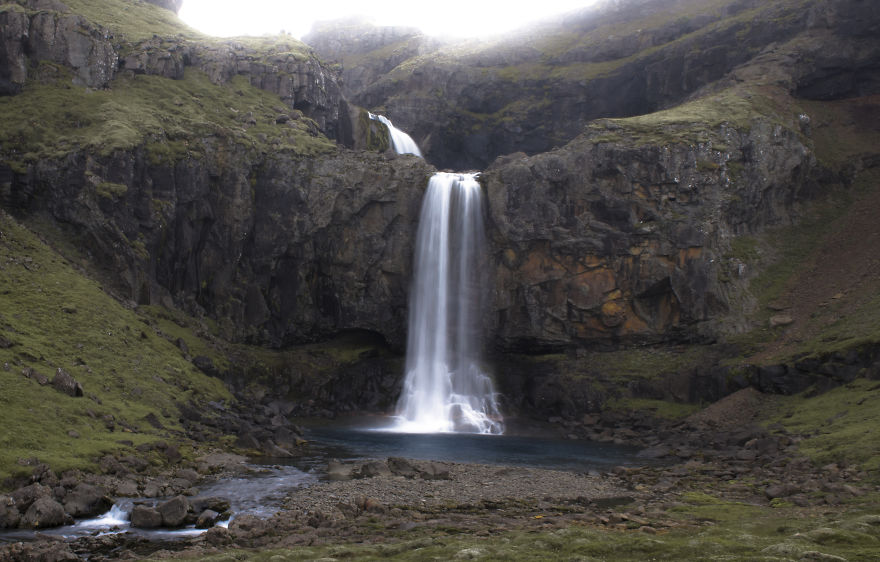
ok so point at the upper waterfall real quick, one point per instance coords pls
(402, 142)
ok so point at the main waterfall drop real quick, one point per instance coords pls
(446, 388)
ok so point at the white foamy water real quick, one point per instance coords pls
(446, 389)
(401, 142)
(117, 517)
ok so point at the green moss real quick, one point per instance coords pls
(110, 190)
(171, 116)
(840, 425)
(698, 121)
(57, 318)
(199, 337)
(646, 362)
(780, 255)
(133, 20)
(378, 137)
(842, 131)
(745, 248)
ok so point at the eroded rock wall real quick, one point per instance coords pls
(277, 250)
(608, 242)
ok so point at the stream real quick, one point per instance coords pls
(262, 489)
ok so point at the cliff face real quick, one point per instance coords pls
(610, 240)
(201, 174)
(276, 249)
(468, 104)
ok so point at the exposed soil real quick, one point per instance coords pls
(842, 275)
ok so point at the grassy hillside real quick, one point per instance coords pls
(54, 317)
(51, 118)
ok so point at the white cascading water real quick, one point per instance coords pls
(445, 389)
(402, 142)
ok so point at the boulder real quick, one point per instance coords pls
(248, 527)
(64, 382)
(434, 471)
(207, 518)
(218, 504)
(174, 511)
(85, 500)
(144, 517)
(273, 450)
(9, 515)
(24, 497)
(781, 491)
(374, 469)
(340, 471)
(44, 475)
(44, 513)
(402, 467)
(780, 320)
(188, 474)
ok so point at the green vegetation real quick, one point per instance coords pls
(710, 529)
(376, 133)
(660, 408)
(646, 362)
(173, 117)
(132, 20)
(782, 256)
(698, 121)
(55, 318)
(840, 425)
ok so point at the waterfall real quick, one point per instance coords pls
(446, 389)
(402, 142)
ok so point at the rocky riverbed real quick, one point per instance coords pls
(714, 463)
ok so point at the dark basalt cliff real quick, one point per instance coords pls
(277, 250)
(608, 241)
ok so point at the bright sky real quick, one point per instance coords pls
(452, 18)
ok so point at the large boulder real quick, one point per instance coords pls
(44, 513)
(145, 517)
(9, 514)
(86, 500)
(64, 382)
(23, 498)
(174, 511)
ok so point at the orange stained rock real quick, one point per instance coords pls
(689, 254)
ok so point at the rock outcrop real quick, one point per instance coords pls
(608, 240)
(279, 250)
(38, 30)
(47, 31)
